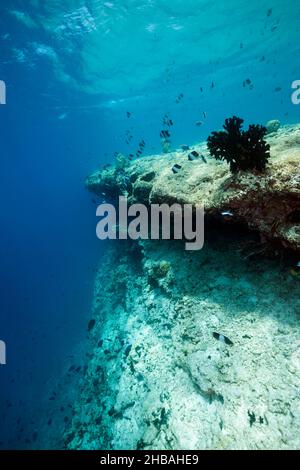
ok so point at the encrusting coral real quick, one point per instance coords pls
(243, 150)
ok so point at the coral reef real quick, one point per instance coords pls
(243, 150)
(267, 202)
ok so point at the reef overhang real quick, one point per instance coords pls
(266, 202)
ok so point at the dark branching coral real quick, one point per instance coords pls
(243, 150)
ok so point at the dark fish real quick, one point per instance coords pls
(185, 147)
(278, 89)
(269, 12)
(91, 324)
(179, 98)
(204, 114)
(176, 168)
(128, 114)
(247, 82)
(222, 338)
(165, 134)
(201, 89)
(203, 159)
(167, 121)
(212, 85)
(193, 155)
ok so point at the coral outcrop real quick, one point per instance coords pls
(268, 202)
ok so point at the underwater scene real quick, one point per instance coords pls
(150, 225)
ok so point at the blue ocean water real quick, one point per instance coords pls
(73, 69)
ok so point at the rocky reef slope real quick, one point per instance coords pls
(269, 203)
(157, 376)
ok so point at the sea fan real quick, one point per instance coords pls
(243, 150)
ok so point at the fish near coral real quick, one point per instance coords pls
(222, 338)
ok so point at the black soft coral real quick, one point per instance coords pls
(243, 150)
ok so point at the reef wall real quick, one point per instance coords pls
(158, 377)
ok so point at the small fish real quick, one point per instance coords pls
(176, 168)
(247, 82)
(278, 88)
(91, 324)
(128, 114)
(222, 338)
(193, 155)
(62, 116)
(198, 123)
(184, 147)
(212, 85)
(201, 89)
(269, 12)
(203, 159)
(204, 114)
(179, 98)
(167, 121)
(227, 214)
(165, 134)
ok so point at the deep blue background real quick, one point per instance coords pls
(52, 136)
